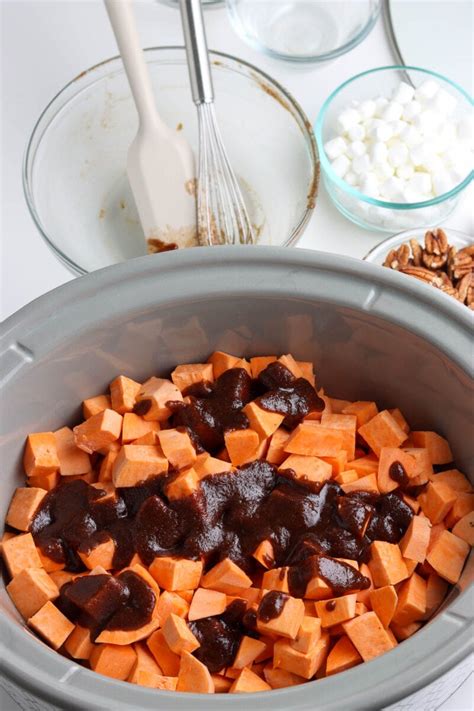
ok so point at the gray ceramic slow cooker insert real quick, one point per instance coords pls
(372, 333)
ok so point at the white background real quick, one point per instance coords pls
(45, 44)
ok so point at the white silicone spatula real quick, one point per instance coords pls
(160, 163)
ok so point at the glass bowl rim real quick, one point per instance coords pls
(388, 243)
(326, 165)
(299, 116)
(306, 58)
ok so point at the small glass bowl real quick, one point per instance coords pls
(303, 30)
(74, 173)
(371, 213)
(207, 3)
(378, 253)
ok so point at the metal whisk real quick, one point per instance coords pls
(222, 217)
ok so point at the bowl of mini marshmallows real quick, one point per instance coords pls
(396, 147)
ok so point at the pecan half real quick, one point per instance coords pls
(451, 291)
(398, 258)
(420, 273)
(464, 285)
(432, 260)
(416, 251)
(436, 242)
(467, 250)
(459, 265)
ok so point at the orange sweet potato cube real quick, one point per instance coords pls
(194, 676)
(382, 431)
(177, 448)
(464, 504)
(276, 448)
(206, 603)
(241, 445)
(464, 528)
(312, 439)
(436, 501)
(153, 397)
(46, 482)
(363, 410)
(368, 635)
(248, 682)
(386, 564)
(264, 423)
(19, 552)
(23, 507)
(51, 624)
(436, 590)
(438, 448)
(394, 457)
(30, 590)
(135, 427)
(280, 678)
(259, 363)
(176, 573)
(308, 468)
(265, 553)
(338, 463)
(98, 431)
(384, 603)
(448, 556)
(221, 362)
(347, 477)
(342, 656)
(178, 636)
(276, 579)
(167, 660)
(300, 663)
(106, 467)
(185, 484)
(226, 577)
(79, 645)
(336, 610)
(171, 602)
(363, 483)
(123, 394)
(145, 661)
(415, 542)
(72, 460)
(183, 376)
(205, 465)
(347, 425)
(136, 463)
(41, 456)
(289, 362)
(455, 479)
(152, 680)
(398, 416)
(102, 554)
(249, 649)
(95, 405)
(308, 635)
(112, 660)
(287, 623)
(411, 605)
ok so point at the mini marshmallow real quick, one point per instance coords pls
(361, 164)
(348, 118)
(378, 152)
(420, 183)
(392, 189)
(445, 137)
(398, 126)
(367, 109)
(444, 102)
(427, 90)
(427, 122)
(380, 105)
(392, 112)
(405, 171)
(381, 132)
(403, 93)
(335, 147)
(356, 132)
(351, 178)
(411, 136)
(384, 170)
(341, 165)
(370, 185)
(411, 110)
(419, 155)
(434, 164)
(356, 148)
(398, 154)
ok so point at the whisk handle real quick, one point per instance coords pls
(196, 51)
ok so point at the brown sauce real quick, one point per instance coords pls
(271, 605)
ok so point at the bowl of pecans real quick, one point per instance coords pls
(441, 258)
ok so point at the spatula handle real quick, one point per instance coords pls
(122, 19)
(196, 51)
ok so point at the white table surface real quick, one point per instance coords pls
(46, 43)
